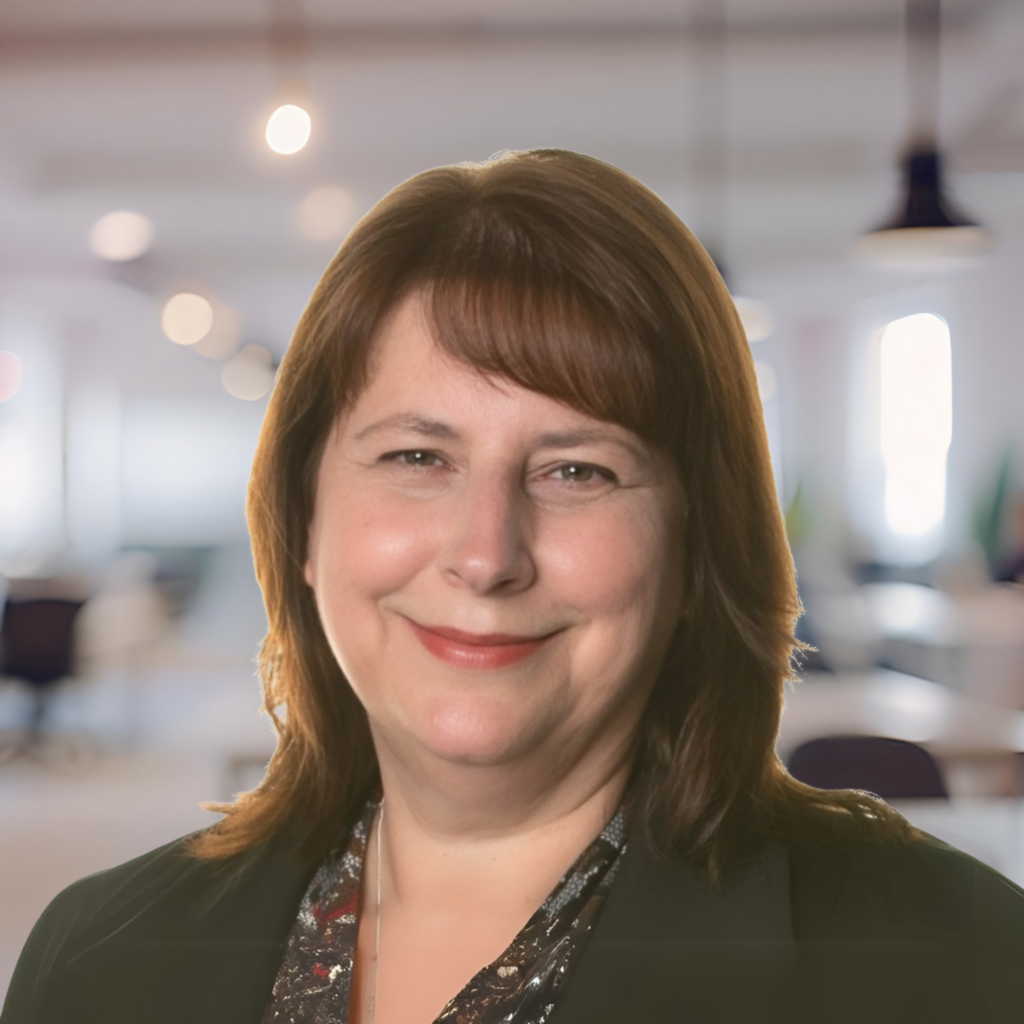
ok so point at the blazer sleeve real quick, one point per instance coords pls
(39, 968)
(164, 939)
(908, 932)
(77, 917)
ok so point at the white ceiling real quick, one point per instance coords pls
(160, 107)
(121, 15)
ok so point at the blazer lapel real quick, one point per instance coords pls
(668, 947)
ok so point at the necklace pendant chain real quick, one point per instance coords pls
(376, 916)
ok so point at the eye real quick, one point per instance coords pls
(416, 458)
(583, 473)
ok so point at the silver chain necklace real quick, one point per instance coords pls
(376, 952)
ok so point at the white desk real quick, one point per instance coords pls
(972, 641)
(975, 742)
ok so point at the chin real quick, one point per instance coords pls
(480, 735)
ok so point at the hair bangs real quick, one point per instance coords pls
(552, 333)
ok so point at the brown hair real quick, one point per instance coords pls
(568, 277)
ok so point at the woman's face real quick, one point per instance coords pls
(497, 573)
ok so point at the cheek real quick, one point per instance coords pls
(611, 567)
(368, 551)
(622, 581)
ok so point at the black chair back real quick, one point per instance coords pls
(892, 769)
(38, 639)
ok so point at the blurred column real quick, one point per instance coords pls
(31, 425)
(93, 471)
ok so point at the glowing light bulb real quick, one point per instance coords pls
(288, 129)
(121, 236)
(187, 318)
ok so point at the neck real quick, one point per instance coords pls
(457, 835)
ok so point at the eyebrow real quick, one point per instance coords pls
(427, 427)
(413, 423)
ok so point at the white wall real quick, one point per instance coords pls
(185, 468)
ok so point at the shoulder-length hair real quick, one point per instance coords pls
(568, 277)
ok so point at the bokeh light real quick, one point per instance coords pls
(924, 250)
(767, 382)
(224, 336)
(10, 375)
(187, 318)
(288, 129)
(754, 315)
(325, 215)
(121, 236)
(250, 374)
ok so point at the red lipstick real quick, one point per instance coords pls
(476, 650)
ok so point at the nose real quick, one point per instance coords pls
(488, 548)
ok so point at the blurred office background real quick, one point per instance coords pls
(156, 252)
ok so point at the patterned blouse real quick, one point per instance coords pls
(524, 984)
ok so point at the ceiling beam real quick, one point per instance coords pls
(127, 44)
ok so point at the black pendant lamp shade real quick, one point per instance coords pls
(928, 232)
(925, 204)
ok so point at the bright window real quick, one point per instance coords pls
(916, 422)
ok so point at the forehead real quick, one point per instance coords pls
(405, 353)
(409, 373)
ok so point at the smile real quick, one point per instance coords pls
(469, 650)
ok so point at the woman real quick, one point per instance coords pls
(531, 612)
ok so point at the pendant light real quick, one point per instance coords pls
(289, 126)
(928, 232)
(710, 30)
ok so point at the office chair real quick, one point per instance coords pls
(892, 769)
(36, 648)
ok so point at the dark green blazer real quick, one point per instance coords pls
(866, 934)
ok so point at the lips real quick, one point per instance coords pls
(476, 650)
